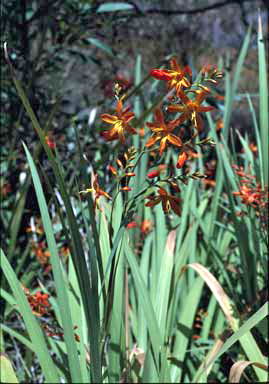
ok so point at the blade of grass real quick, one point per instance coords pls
(263, 92)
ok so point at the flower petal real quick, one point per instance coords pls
(152, 140)
(153, 202)
(153, 125)
(187, 69)
(175, 140)
(109, 118)
(176, 108)
(130, 129)
(158, 129)
(128, 116)
(199, 123)
(205, 109)
(181, 119)
(200, 96)
(185, 82)
(162, 192)
(163, 144)
(160, 74)
(175, 206)
(119, 108)
(174, 65)
(183, 97)
(181, 159)
(159, 115)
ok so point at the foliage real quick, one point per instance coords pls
(108, 288)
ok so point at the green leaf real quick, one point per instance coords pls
(7, 371)
(101, 45)
(113, 7)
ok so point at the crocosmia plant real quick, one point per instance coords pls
(136, 239)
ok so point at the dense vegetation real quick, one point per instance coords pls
(135, 241)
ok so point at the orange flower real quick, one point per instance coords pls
(219, 125)
(182, 158)
(163, 131)
(97, 192)
(146, 226)
(112, 170)
(126, 189)
(41, 255)
(253, 148)
(119, 123)
(168, 201)
(191, 108)
(175, 76)
(49, 140)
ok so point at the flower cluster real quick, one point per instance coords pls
(40, 306)
(178, 132)
(42, 253)
(125, 169)
(252, 194)
(39, 302)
